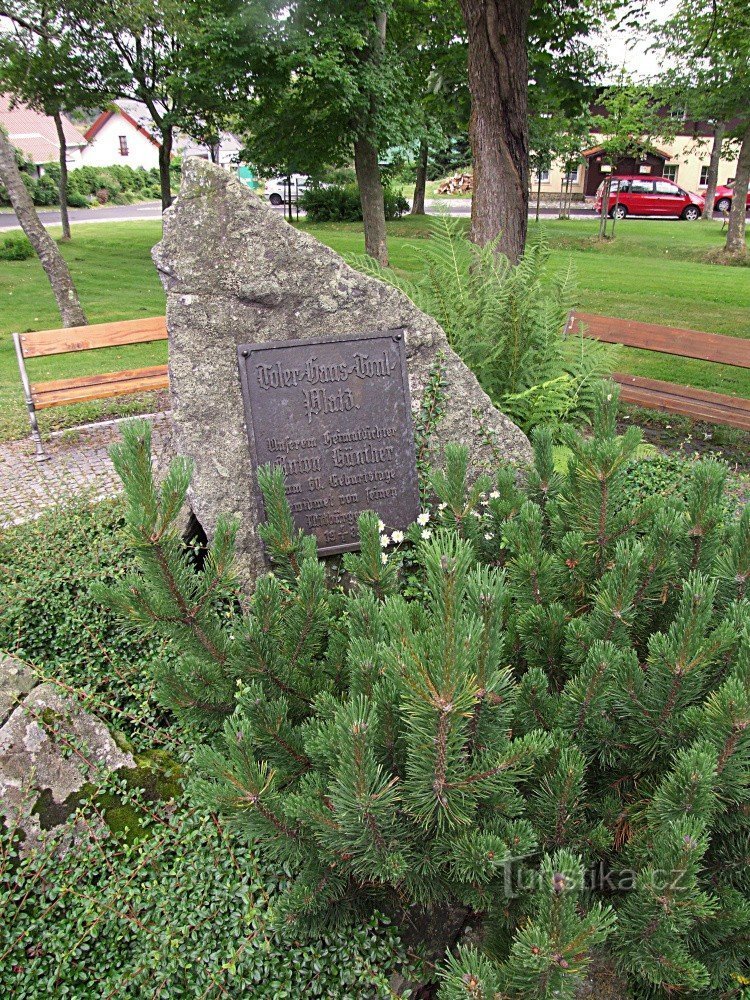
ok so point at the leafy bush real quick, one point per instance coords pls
(507, 324)
(551, 734)
(341, 203)
(15, 246)
(46, 192)
(78, 200)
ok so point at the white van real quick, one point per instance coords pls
(276, 190)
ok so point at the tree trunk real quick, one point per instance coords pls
(367, 168)
(614, 210)
(736, 232)
(165, 158)
(713, 170)
(417, 205)
(538, 193)
(498, 129)
(371, 196)
(605, 208)
(63, 185)
(47, 250)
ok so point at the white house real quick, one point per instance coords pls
(125, 133)
(119, 136)
(35, 135)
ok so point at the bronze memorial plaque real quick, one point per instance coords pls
(334, 413)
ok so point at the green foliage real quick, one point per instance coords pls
(535, 708)
(78, 200)
(15, 246)
(506, 323)
(188, 911)
(50, 618)
(341, 203)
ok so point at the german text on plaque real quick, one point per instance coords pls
(334, 414)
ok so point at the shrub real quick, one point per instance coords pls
(46, 192)
(507, 323)
(77, 200)
(15, 246)
(341, 203)
(535, 711)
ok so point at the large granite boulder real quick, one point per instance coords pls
(236, 272)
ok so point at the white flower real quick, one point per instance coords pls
(475, 513)
(383, 558)
(397, 537)
(423, 518)
(485, 503)
(426, 533)
(384, 541)
(381, 526)
(494, 495)
(609, 397)
(442, 506)
(488, 536)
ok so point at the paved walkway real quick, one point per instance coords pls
(79, 463)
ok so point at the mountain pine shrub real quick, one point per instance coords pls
(531, 713)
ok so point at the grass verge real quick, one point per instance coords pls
(654, 271)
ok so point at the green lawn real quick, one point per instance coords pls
(652, 271)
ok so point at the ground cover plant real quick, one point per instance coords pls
(157, 898)
(654, 271)
(531, 711)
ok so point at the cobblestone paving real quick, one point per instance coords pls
(79, 463)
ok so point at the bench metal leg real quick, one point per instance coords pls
(41, 456)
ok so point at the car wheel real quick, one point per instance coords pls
(691, 213)
(276, 199)
(619, 212)
(723, 204)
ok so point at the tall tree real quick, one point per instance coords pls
(509, 44)
(49, 255)
(188, 63)
(711, 44)
(336, 89)
(44, 66)
(499, 131)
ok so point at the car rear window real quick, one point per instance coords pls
(642, 187)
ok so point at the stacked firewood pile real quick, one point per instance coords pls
(458, 184)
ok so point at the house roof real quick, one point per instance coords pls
(35, 134)
(133, 112)
(137, 114)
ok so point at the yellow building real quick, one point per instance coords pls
(685, 161)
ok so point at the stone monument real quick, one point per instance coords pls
(239, 279)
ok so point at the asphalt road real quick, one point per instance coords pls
(152, 210)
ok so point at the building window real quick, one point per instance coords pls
(123, 145)
(571, 176)
(670, 171)
(543, 176)
(704, 176)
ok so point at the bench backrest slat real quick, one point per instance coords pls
(650, 337)
(86, 338)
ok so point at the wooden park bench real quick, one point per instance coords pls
(699, 404)
(42, 343)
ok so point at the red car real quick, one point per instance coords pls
(724, 195)
(639, 195)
